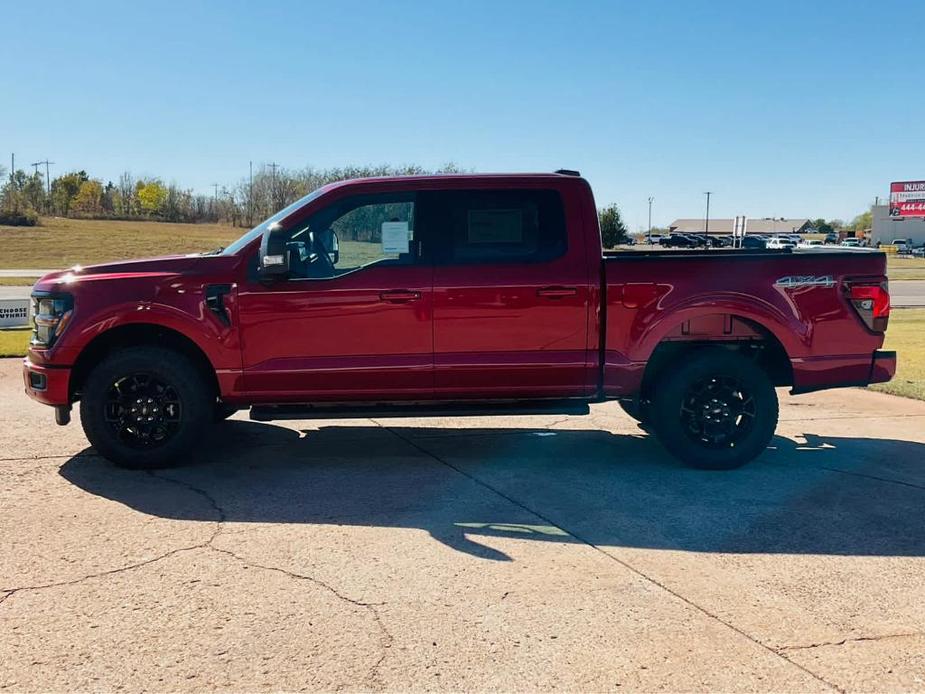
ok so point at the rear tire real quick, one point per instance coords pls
(145, 407)
(640, 410)
(222, 411)
(717, 411)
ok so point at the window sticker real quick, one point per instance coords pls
(496, 226)
(395, 237)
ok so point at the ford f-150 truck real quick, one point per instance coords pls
(452, 294)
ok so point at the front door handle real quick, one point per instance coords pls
(400, 296)
(557, 292)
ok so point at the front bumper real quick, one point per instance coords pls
(47, 384)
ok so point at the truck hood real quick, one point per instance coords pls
(127, 269)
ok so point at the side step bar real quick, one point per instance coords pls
(267, 413)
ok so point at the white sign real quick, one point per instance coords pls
(14, 313)
(395, 237)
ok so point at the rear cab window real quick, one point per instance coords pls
(495, 226)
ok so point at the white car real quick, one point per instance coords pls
(902, 245)
(851, 243)
(780, 242)
(810, 243)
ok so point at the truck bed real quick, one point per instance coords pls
(796, 301)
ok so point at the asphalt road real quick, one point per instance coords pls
(903, 293)
(491, 553)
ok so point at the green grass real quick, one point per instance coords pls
(60, 243)
(905, 268)
(13, 343)
(906, 334)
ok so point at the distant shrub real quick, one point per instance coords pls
(26, 218)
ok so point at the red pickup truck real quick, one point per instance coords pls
(452, 294)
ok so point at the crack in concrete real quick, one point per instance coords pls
(638, 572)
(886, 480)
(100, 574)
(221, 517)
(387, 638)
(855, 639)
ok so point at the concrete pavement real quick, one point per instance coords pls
(485, 553)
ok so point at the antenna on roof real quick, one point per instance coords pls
(568, 172)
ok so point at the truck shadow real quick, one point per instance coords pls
(823, 495)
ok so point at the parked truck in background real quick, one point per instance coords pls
(452, 294)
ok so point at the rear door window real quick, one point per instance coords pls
(495, 226)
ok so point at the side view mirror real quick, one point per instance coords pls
(273, 259)
(331, 244)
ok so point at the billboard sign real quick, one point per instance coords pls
(907, 199)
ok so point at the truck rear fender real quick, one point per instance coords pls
(655, 337)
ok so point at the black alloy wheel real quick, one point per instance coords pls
(143, 410)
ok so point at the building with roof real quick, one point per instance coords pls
(886, 229)
(768, 225)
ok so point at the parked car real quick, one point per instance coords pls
(902, 245)
(656, 238)
(851, 243)
(461, 294)
(831, 237)
(754, 241)
(810, 243)
(680, 241)
(918, 252)
(779, 242)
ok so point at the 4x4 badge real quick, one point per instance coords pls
(805, 281)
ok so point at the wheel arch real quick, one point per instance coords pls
(741, 334)
(137, 334)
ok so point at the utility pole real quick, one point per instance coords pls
(706, 223)
(649, 232)
(12, 165)
(273, 166)
(250, 196)
(47, 177)
(215, 185)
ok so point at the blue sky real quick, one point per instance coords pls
(780, 108)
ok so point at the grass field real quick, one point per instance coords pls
(60, 243)
(905, 268)
(13, 343)
(906, 334)
(17, 281)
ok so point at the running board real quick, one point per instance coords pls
(267, 413)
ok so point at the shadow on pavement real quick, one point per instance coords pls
(838, 496)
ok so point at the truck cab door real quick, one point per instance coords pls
(353, 320)
(512, 294)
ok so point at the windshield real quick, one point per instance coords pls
(258, 230)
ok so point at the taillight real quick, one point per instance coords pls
(872, 302)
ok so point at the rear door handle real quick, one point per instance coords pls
(399, 296)
(557, 292)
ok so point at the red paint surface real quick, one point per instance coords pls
(475, 331)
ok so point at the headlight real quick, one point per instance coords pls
(50, 315)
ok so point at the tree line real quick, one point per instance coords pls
(25, 196)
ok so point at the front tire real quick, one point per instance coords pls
(717, 411)
(145, 407)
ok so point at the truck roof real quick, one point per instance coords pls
(461, 177)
